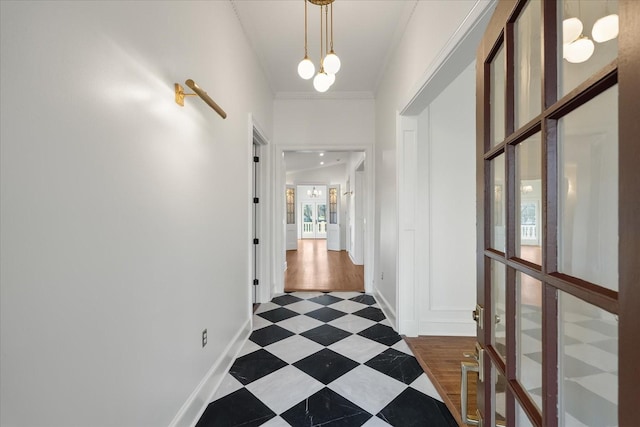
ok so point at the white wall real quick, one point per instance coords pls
(115, 202)
(321, 123)
(447, 184)
(430, 28)
(326, 175)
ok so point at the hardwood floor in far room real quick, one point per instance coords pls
(313, 268)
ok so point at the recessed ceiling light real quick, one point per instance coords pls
(321, 154)
(322, 163)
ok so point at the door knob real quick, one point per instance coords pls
(477, 315)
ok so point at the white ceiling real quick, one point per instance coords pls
(296, 161)
(364, 34)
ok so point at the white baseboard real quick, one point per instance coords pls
(386, 308)
(448, 327)
(192, 410)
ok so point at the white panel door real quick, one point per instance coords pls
(333, 225)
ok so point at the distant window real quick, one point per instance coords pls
(333, 205)
(291, 206)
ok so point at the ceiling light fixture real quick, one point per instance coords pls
(579, 50)
(576, 47)
(329, 61)
(605, 28)
(314, 193)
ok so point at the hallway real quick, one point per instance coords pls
(328, 359)
(313, 268)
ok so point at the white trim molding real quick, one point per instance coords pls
(406, 258)
(386, 308)
(193, 408)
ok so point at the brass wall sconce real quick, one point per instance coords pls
(198, 92)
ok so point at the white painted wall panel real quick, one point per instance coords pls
(452, 191)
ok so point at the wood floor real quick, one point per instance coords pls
(313, 268)
(440, 358)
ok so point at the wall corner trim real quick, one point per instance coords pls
(192, 409)
(386, 308)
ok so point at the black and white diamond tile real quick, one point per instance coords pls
(325, 359)
(588, 357)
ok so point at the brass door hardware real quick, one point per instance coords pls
(478, 315)
(475, 365)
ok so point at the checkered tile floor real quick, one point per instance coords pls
(325, 359)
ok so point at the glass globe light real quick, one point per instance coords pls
(605, 28)
(321, 82)
(331, 63)
(306, 69)
(571, 30)
(332, 79)
(579, 50)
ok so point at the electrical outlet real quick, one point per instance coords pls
(204, 337)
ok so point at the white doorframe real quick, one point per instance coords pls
(265, 180)
(279, 242)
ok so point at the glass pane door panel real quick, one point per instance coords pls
(521, 417)
(589, 40)
(322, 218)
(498, 289)
(498, 207)
(529, 197)
(588, 193)
(497, 98)
(588, 359)
(528, 96)
(307, 220)
(500, 397)
(529, 335)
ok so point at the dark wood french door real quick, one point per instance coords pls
(558, 165)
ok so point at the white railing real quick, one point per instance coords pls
(528, 232)
(307, 227)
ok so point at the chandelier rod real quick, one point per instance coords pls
(306, 54)
(321, 48)
(331, 5)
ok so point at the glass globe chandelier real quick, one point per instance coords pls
(577, 47)
(329, 61)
